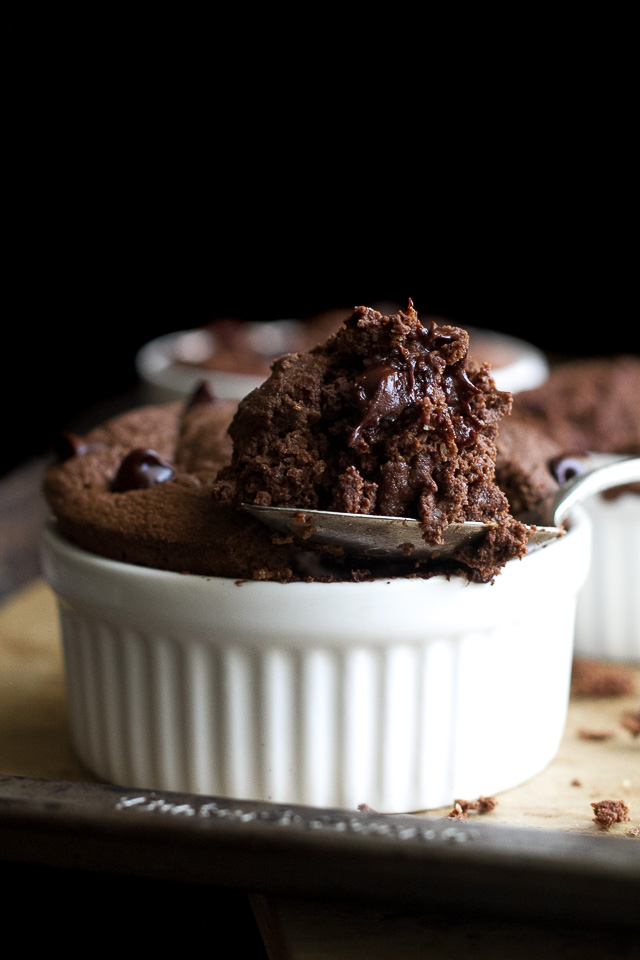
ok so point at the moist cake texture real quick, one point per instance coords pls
(388, 417)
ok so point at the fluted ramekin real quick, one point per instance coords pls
(608, 612)
(404, 694)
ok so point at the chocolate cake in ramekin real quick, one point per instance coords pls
(205, 654)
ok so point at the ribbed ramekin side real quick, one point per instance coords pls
(398, 727)
(608, 615)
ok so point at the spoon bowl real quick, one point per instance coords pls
(380, 537)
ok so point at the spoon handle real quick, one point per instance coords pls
(609, 472)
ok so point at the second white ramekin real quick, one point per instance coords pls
(515, 364)
(608, 612)
(402, 694)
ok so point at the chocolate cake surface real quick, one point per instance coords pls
(388, 417)
(138, 490)
(589, 405)
(529, 463)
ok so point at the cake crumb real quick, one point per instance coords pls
(591, 678)
(608, 812)
(576, 783)
(631, 722)
(585, 734)
(462, 808)
(456, 813)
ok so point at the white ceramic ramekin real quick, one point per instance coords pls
(516, 365)
(608, 613)
(164, 379)
(403, 694)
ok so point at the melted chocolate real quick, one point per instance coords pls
(383, 391)
(139, 470)
(70, 445)
(433, 337)
(460, 392)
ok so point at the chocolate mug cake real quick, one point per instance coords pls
(203, 654)
(390, 416)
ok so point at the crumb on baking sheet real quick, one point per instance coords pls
(608, 812)
(631, 722)
(462, 808)
(585, 734)
(591, 678)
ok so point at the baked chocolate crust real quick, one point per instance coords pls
(170, 524)
(525, 463)
(589, 405)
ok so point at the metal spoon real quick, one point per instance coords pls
(380, 537)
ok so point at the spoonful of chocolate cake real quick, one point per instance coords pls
(376, 537)
(384, 434)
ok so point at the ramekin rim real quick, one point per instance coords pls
(50, 533)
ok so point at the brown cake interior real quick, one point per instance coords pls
(390, 417)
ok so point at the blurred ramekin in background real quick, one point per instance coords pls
(170, 366)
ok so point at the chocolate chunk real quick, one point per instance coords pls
(202, 394)
(382, 391)
(139, 470)
(70, 445)
(567, 466)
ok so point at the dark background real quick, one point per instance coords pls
(135, 208)
(156, 180)
(85, 311)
